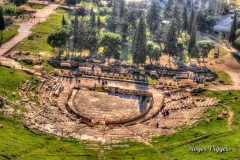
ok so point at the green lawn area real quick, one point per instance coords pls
(35, 6)
(10, 80)
(10, 32)
(20, 143)
(224, 76)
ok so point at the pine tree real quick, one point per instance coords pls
(185, 19)
(168, 10)
(152, 16)
(170, 43)
(122, 8)
(190, 22)
(2, 25)
(232, 35)
(139, 51)
(63, 21)
(192, 41)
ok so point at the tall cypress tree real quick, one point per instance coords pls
(122, 8)
(190, 22)
(170, 43)
(192, 41)
(232, 35)
(139, 51)
(63, 21)
(152, 16)
(114, 10)
(81, 36)
(185, 19)
(98, 22)
(168, 10)
(93, 21)
(75, 32)
(177, 15)
(2, 25)
(124, 30)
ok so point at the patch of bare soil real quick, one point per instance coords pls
(230, 113)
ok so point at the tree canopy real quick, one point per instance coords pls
(111, 43)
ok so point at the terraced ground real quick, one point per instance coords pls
(18, 142)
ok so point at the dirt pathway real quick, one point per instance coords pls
(230, 113)
(24, 30)
(233, 73)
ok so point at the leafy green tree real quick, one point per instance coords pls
(2, 25)
(170, 43)
(111, 43)
(233, 30)
(191, 19)
(157, 53)
(185, 19)
(168, 11)
(139, 51)
(81, 11)
(204, 47)
(192, 40)
(63, 21)
(180, 49)
(58, 38)
(10, 9)
(150, 45)
(122, 8)
(153, 16)
(204, 21)
(153, 51)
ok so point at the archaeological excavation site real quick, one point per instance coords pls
(109, 110)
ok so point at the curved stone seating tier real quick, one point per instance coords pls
(79, 105)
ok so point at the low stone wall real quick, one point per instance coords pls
(126, 120)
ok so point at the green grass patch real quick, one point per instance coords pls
(219, 75)
(20, 143)
(10, 80)
(224, 76)
(10, 32)
(35, 6)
